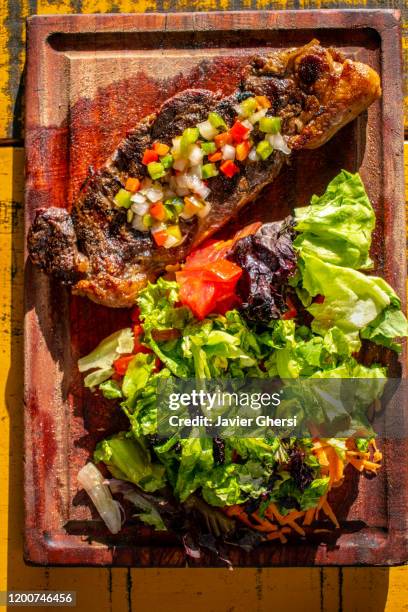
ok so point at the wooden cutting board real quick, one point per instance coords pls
(89, 79)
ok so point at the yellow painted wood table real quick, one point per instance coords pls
(167, 590)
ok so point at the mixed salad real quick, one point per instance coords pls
(177, 181)
(288, 299)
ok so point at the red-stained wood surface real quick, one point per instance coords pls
(90, 78)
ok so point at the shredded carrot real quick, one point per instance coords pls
(272, 510)
(296, 527)
(370, 465)
(357, 463)
(327, 510)
(309, 516)
(264, 525)
(320, 505)
(336, 466)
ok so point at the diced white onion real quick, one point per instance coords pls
(181, 181)
(137, 224)
(141, 208)
(257, 116)
(195, 171)
(248, 125)
(138, 198)
(238, 109)
(253, 155)
(180, 164)
(154, 195)
(90, 478)
(206, 130)
(228, 152)
(158, 227)
(182, 191)
(279, 143)
(196, 155)
(203, 212)
(171, 241)
(197, 186)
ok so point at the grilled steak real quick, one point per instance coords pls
(314, 91)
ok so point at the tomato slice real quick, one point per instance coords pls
(224, 270)
(198, 295)
(121, 364)
(208, 280)
(229, 302)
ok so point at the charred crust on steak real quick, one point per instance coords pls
(315, 91)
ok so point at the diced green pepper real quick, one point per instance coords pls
(147, 220)
(217, 121)
(248, 107)
(122, 198)
(209, 170)
(270, 125)
(189, 137)
(174, 207)
(156, 170)
(208, 147)
(166, 161)
(264, 149)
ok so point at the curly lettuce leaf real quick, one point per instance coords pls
(352, 300)
(337, 226)
(129, 459)
(196, 460)
(388, 325)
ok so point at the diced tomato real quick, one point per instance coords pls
(121, 364)
(214, 157)
(229, 168)
(248, 230)
(137, 330)
(143, 349)
(263, 101)
(213, 250)
(227, 303)
(242, 150)
(208, 280)
(149, 156)
(132, 184)
(222, 139)
(157, 365)
(158, 211)
(224, 270)
(292, 312)
(160, 237)
(239, 132)
(318, 299)
(198, 295)
(135, 314)
(160, 148)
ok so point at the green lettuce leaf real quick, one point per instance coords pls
(111, 389)
(196, 460)
(352, 299)
(102, 357)
(129, 459)
(235, 483)
(388, 325)
(337, 226)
